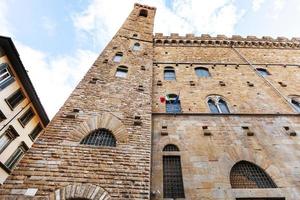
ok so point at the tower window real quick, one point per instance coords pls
(171, 147)
(118, 57)
(7, 137)
(15, 99)
(217, 104)
(136, 47)
(143, 13)
(100, 137)
(263, 72)
(169, 73)
(26, 117)
(248, 175)
(202, 72)
(172, 177)
(173, 104)
(122, 71)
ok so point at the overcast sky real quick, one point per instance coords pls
(58, 40)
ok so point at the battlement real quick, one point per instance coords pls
(144, 6)
(222, 40)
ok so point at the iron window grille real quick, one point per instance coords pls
(171, 147)
(172, 177)
(26, 117)
(100, 137)
(15, 99)
(247, 175)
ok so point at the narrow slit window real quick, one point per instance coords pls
(169, 73)
(136, 47)
(26, 117)
(263, 72)
(172, 177)
(122, 72)
(202, 72)
(118, 57)
(15, 99)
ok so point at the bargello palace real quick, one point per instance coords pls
(173, 117)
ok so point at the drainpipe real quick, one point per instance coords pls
(266, 80)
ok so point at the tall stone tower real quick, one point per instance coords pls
(99, 143)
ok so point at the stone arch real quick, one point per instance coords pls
(81, 191)
(104, 120)
(169, 140)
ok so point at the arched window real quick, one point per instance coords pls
(217, 104)
(173, 103)
(136, 46)
(263, 71)
(202, 72)
(171, 147)
(118, 57)
(121, 71)
(212, 106)
(172, 174)
(143, 13)
(248, 175)
(169, 73)
(295, 100)
(100, 137)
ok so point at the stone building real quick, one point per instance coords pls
(22, 116)
(173, 117)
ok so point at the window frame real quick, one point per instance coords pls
(36, 131)
(19, 102)
(11, 133)
(118, 55)
(216, 100)
(202, 69)
(25, 121)
(6, 82)
(136, 46)
(121, 70)
(169, 70)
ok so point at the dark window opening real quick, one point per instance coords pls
(15, 157)
(171, 147)
(15, 99)
(263, 72)
(169, 73)
(248, 175)
(26, 117)
(172, 177)
(7, 137)
(136, 47)
(100, 137)
(202, 72)
(121, 71)
(35, 132)
(212, 106)
(143, 13)
(118, 57)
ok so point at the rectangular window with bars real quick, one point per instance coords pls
(26, 117)
(15, 99)
(172, 177)
(35, 132)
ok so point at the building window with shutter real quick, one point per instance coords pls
(15, 99)
(6, 77)
(26, 117)
(7, 137)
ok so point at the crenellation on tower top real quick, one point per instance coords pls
(144, 6)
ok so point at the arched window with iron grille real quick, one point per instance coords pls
(100, 137)
(248, 175)
(171, 147)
